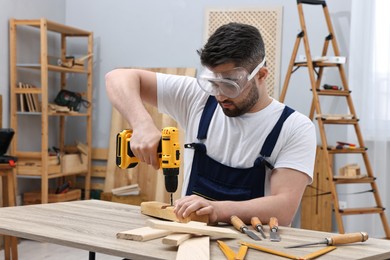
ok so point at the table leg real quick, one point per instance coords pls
(7, 253)
(92, 255)
(10, 243)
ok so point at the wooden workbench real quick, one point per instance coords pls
(92, 225)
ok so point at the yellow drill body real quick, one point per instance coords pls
(168, 154)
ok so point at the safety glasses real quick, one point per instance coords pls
(229, 83)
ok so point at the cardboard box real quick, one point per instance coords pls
(74, 163)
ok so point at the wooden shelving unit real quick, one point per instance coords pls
(37, 163)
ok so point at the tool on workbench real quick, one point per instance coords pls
(274, 228)
(344, 145)
(71, 61)
(230, 254)
(257, 225)
(331, 87)
(338, 240)
(64, 188)
(168, 153)
(283, 254)
(240, 226)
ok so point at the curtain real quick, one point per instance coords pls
(369, 79)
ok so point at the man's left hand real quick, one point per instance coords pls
(193, 203)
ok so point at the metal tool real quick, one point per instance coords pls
(274, 227)
(240, 226)
(338, 240)
(256, 224)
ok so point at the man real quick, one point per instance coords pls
(245, 154)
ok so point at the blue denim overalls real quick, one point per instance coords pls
(215, 181)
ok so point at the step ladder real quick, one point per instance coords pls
(316, 70)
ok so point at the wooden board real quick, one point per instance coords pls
(143, 234)
(165, 211)
(193, 228)
(95, 223)
(176, 239)
(194, 248)
(113, 172)
(316, 209)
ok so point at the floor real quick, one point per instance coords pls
(32, 250)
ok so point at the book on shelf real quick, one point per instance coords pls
(28, 102)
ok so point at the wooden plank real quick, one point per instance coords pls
(316, 207)
(112, 169)
(100, 154)
(165, 211)
(176, 239)
(193, 228)
(194, 248)
(99, 171)
(143, 234)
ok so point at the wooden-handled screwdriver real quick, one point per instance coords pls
(256, 224)
(240, 226)
(338, 240)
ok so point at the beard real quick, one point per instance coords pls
(243, 106)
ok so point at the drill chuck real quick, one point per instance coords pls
(170, 177)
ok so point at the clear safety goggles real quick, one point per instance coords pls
(229, 83)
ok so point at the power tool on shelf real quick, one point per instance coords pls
(168, 154)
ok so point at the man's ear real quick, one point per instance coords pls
(262, 74)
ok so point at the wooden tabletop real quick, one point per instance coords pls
(92, 225)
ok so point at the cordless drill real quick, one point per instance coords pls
(168, 154)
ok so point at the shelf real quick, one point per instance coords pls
(316, 64)
(329, 92)
(339, 121)
(354, 211)
(355, 150)
(50, 67)
(53, 26)
(361, 180)
(53, 114)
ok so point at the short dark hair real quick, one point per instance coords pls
(236, 43)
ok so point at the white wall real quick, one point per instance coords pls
(21, 9)
(153, 33)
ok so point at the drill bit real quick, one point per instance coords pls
(171, 199)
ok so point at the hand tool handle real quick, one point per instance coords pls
(347, 238)
(273, 223)
(255, 221)
(237, 223)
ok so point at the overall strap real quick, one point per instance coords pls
(271, 139)
(205, 120)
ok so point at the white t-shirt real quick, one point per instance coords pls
(236, 141)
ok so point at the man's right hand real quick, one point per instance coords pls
(144, 144)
